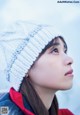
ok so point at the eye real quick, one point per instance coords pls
(55, 50)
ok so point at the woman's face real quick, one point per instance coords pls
(53, 69)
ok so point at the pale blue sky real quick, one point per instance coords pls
(65, 17)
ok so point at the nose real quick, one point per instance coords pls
(68, 61)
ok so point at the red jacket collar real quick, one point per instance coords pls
(17, 99)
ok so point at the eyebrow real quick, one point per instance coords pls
(54, 44)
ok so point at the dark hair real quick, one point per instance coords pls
(27, 89)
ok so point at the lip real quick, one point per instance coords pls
(69, 73)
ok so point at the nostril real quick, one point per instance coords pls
(70, 61)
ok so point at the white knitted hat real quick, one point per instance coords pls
(24, 41)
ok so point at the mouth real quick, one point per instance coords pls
(69, 73)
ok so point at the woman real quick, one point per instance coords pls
(38, 68)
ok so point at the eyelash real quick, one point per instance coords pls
(65, 51)
(57, 51)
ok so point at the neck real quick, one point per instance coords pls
(46, 95)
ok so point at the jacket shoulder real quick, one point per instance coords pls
(12, 108)
(64, 112)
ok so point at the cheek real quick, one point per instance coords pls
(53, 69)
(53, 76)
(46, 73)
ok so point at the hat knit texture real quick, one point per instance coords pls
(24, 42)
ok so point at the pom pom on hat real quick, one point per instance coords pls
(24, 42)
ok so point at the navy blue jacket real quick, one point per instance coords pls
(13, 108)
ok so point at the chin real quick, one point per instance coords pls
(67, 87)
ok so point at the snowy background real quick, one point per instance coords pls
(65, 17)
